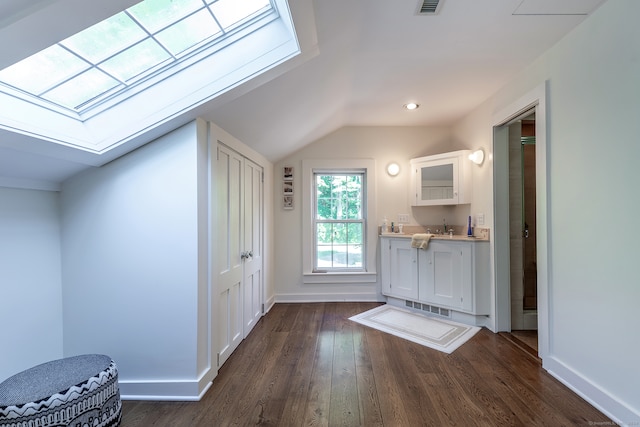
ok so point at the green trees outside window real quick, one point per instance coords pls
(339, 221)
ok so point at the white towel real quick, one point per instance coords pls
(420, 240)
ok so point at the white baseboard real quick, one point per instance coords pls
(328, 297)
(166, 390)
(619, 412)
(268, 305)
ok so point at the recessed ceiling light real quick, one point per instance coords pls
(411, 106)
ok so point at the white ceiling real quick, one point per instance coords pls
(374, 56)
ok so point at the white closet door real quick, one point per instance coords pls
(253, 205)
(229, 181)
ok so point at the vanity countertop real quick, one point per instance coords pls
(480, 234)
(438, 237)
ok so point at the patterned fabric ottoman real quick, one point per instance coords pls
(80, 391)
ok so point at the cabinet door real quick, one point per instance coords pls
(436, 182)
(441, 179)
(441, 275)
(403, 269)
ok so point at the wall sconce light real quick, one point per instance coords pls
(477, 157)
(393, 169)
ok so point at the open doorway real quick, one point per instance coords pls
(512, 237)
(522, 231)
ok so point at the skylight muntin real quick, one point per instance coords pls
(173, 64)
(189, 58)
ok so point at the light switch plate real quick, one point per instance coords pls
(480, 219)
(403, 218)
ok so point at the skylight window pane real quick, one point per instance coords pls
(106, 38)
(189, 32)
(157, 14)
(136, 60)
(43, 70)
(231, 12)
(81, 89)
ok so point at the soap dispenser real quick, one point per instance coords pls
(469, 230)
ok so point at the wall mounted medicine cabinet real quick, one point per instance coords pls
(442, 179)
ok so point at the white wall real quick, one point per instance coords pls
(133, 266)
(30, 280)
(593, 201)
(385, 145)
(119, 262)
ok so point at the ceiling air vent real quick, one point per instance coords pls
(429, 7)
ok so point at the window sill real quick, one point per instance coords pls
(340, 277)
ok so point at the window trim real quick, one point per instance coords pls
(368, 274)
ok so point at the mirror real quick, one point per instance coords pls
(437, 182)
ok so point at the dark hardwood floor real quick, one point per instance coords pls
(308, 365)
(526, 340)
(529, 338)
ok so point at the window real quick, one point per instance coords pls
(138, 74)
(339, 221)
(123, 50)
(339, 231)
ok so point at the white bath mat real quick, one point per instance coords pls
(443, 335)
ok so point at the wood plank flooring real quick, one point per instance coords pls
(529, 338)
(308, 365)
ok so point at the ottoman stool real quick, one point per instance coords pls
(79, 391)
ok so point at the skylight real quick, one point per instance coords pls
(106, 60)
(136, 75)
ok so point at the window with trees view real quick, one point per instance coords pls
(339, 221)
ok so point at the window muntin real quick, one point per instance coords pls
(339, 221)
(60, 73)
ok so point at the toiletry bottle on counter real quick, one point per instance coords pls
(469, 230)
(384, 226)
(392, 228)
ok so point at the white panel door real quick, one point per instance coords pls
(447, 267)
(229, 284)
(253, 205)
(403, 268)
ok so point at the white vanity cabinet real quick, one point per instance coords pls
(452, 274)
(442, 179)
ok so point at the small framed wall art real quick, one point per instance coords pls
(287, 173)
(287, 187)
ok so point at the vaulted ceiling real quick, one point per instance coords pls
(361, 61)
